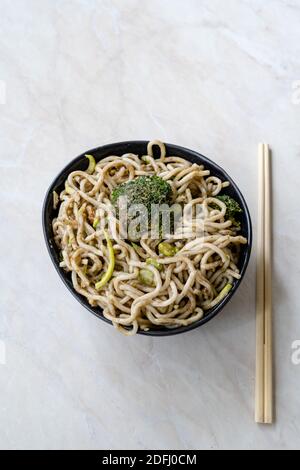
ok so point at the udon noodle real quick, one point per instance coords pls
(187, 284)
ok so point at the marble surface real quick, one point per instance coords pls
(78, 74)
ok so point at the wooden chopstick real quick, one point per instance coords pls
(268, 366)
(260, 292)
(264, 366)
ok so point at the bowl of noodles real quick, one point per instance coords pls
(152, 238)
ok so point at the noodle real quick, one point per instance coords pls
(184, 285)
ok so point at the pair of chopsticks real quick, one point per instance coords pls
(264, 359)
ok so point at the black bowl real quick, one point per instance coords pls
(139, 147)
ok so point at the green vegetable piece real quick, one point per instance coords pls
(96, 223)
(147, 277)
(223, 293)
(92, 164)
(154, 263)
(111, 266)
(84, 270)
(233, 209)
(167, 249)
(145, 190)
(55, 200)
(69, 190)
(135, 246)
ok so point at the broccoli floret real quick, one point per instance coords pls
(233, 209)
(145, 190)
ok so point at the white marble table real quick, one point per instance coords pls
(78, 74)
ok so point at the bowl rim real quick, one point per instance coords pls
(97, 312)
